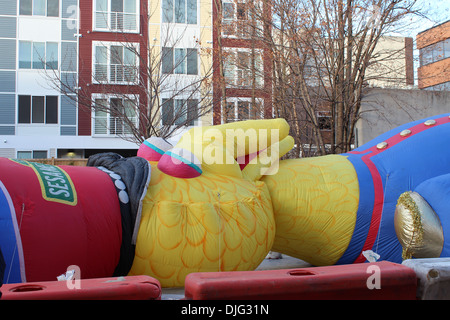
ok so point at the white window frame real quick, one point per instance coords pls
(177, 65)
(108, 45)
(237, 77)
(45, 10)
(108, 27)
(43, 59)
(107, 127)
(32, 154)
(238, 28)
(173, 16)
(184, 103)
(237, 117)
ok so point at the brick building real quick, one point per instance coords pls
(434, 52)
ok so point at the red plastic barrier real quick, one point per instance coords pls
(381, 280)
(121, 288)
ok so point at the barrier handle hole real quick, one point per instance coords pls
(27, 288)
(297, 273)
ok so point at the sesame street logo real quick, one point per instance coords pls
(55, 183)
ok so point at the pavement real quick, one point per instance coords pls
(286, 262)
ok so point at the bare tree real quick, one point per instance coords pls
(136, 92)
(323, 54)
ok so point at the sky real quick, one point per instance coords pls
(438, 12)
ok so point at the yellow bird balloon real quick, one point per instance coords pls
(206, 208)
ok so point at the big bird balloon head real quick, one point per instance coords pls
(206, 208)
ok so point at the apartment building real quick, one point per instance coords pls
(47, 45)
(69, 68)
(434, 53)
(67, 64)
(243, 83)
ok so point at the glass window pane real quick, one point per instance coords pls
(130, 6)
(116, 54)
(192, 112)
(38, 55)
(24, 54)
(37, 109)
(167, 61)
(25, 7)
(116, 14)
(24, 109)
(167, 111)
(230, 111)
(191, 11)
(180, 112)
(447, 48)
(180, 61)
(229, 68)
(180, 11)
(101, 20)
(241, 11)
(116, 21)
(129, 21)
(129, 56)
(130, 113)
(243, 110)
(192, 61)
(101, 54)
(51, 109)
(52, 8)
(438, 51)
(101, 5)
(24, 155)
(425, 56)
(101, 14)
(117, 5)
(51, 55)
(228, 10)
(167, 11)
(37, 154)
(39, 7)
(100, 122)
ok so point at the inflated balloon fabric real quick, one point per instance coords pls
(208, 216)
(220, 199)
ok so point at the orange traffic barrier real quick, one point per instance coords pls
(117, 288)
(380, 280)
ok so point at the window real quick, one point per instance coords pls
(36, 154)
(239, 70)
(38, 55)
(239, 21)
(179, 61)
(115, 115)
(445, 86)
(38, 109)
(179, 111)
(435, 52)
(49, 8)
(237, 109)
(179, 11)
(115, 63)
(116, 15)
(324, 119)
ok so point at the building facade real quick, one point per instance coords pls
(242, 80)
(71, 68)
(434, 53)
(46, 48)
